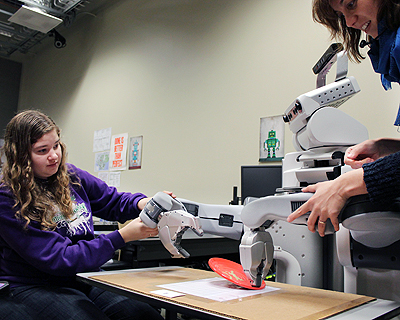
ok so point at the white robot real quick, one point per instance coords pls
(321, 134)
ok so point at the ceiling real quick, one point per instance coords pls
(18, 37)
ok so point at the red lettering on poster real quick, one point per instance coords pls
(117, 163)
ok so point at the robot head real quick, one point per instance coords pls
(272, 134)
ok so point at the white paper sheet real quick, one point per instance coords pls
(218, 289)
(102, 140)
(168, 293)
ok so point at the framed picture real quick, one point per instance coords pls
(272, 138)
(135, 152)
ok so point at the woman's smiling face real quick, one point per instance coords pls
(359, 14)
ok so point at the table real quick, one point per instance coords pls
(290, 302)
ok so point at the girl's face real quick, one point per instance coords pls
(359, 14)
(46, 155)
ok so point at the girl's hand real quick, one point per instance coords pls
(136, 230)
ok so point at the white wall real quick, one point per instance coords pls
(193, 77)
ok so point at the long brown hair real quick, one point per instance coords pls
(35, 200)
(323, 13)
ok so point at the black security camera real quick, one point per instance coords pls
(59, 40)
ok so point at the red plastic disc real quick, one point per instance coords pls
(233, 272)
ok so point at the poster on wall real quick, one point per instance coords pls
(272, 136)
(119, 144)
(101, 161)
(102, 140)
(135, 152)
(114, 179)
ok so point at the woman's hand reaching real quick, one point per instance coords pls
(328, 200)
(370, 150)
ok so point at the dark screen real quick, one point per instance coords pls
(260, 181)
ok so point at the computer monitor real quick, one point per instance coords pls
(260, 181)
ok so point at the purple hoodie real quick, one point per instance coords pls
(34, 256)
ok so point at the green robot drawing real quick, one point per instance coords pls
(271, 142)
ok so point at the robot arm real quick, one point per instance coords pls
(257, 248)
(171, 218)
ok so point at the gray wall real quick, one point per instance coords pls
(10, 77)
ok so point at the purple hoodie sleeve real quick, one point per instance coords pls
(48, 251)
